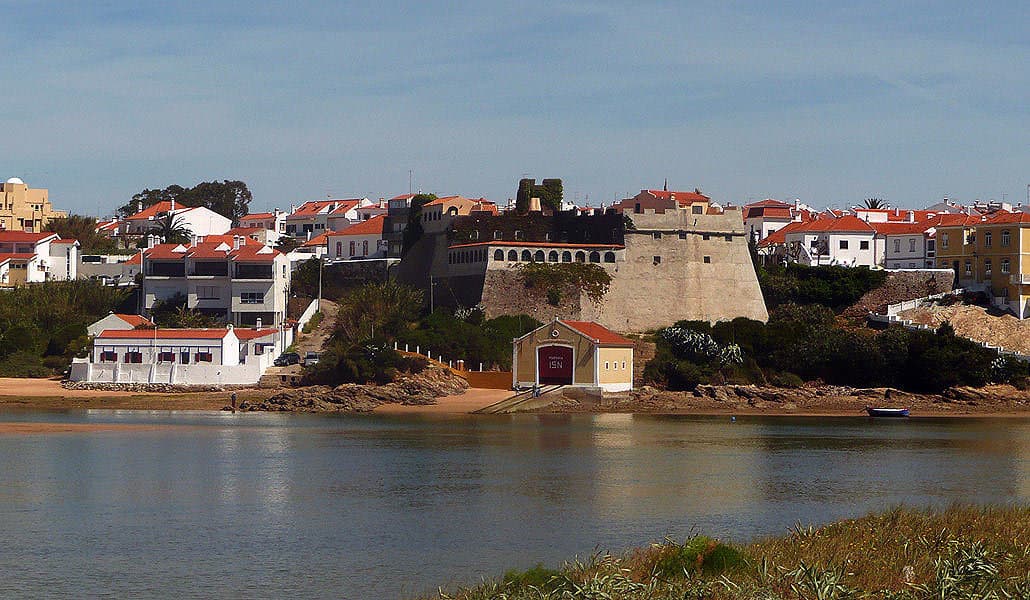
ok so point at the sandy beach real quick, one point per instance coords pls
(472, 400)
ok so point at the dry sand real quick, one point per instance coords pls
(472, 400)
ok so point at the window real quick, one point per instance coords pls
(547, 237)
(683, 235)
(166, 357)
(657, 260)
(566, 256)
(609, 257)
(184, 358)
(364, 248)
(843, 244)
(863, 245)
(987, 239)
(352, 248)
(207, 292)
(708, 260)
(697, 210)
(252, 298)
(705, 236)
(1006, 239)
(498, 254)
(539, 256)
(911, 244)
(134, 357)
(729, 238)
(202, 357)
(987, 267)
(897, 245)
(969, 268)
(595, 257)
(581, 256)
(497, 235)
(339, 249)
(108, 356)
(518, 234)
(624, 365)
(527, 256)
(1005, 266)
(606, 368)
(552, 256)
(944, 240)
(657, 235)
(474, 235)
(813, 244)
(513, 256)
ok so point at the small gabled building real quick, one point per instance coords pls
(576, 353)
(118, 322)
(359, 241)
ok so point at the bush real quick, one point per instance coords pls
(25, 364)
(785, 380)
(830, 286)
(313, 322)
(699, 554)
(538, 577)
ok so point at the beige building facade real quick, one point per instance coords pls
(576, 353)
(25, 209)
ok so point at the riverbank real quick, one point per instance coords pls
(903, 554)
(47, 394)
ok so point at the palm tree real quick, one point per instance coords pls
(875, 203)
(171, 229)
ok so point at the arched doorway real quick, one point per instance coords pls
(554, 365)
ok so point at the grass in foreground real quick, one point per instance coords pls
(958, 553)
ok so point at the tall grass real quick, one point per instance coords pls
(960, 553)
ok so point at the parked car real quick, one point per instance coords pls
(311, 359)
(286, 359)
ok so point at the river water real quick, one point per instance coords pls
(364, 507)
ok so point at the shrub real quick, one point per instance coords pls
(24, 364)
(313, 323)
(831, 286)
(589, 278)
(699, 554)
(538, 577)
(785, 379)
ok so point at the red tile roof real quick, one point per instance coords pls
(135, 320)
(1006, 218)
(900, 228)
(847, 223)
(164, 334)
(165, 252)
(779, 236)
(137, 259)
(768, 203)
(315, 207)
(152, 211)
(682, 198)
(373, 226)
(253, 216)
(403, 197)
(244, 231)
(255, 253)
(598, 332)
(25, 236)
(66, 241)
(319, 240)
(15, 256)
(251, 334)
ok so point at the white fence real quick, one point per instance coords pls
(307, 314)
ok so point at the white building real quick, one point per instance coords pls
(200, 221)
(762, 219)
(244, 282)
(181, 356)
(111, 269)
(845, 241)
(118, 322)
(271, 221)
(907, 245)
(36, 257)
(362, 240)
(314, 218)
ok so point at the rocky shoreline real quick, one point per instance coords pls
(996, 399)
(421, 389)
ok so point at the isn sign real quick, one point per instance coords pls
(554, 363)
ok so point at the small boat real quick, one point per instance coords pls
(886, 412)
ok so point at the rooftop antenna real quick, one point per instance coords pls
(666, 188)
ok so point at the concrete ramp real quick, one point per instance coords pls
(523, 401)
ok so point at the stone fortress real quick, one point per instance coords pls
(668, 261)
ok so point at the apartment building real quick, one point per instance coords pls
(25, 209)
(27, 257)
(238, 281)
(316, 217)
(362, 240)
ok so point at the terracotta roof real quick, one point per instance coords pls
(137, 259)
(682, 198)
(152, 211)
(253, 216)
(847, 223)
(244, 231)
(106, 226)
(165, 252)
(17, 256)
(255, 253)
(315, 207)
(447, 199)
(319, 240)
(66, 241)
(373, 226)
(135, 320)
(540, 245)
(953, 220)
(25, 236)
(251, 334)
(598, 332)
(164, 334)
(403, 197)
(207, 249)
(775, 212)
(1000, 218)
(779, 236)
(767, 203)
(900, 228)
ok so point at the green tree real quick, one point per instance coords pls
(230, 199)
(413, 232)
(874, 203)
(84, 229)
(287, 244)
(172, 229)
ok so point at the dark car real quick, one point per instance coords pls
(288, 358)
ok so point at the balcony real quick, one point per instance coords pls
(1020, 279)
(245, 271)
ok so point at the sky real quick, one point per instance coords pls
(828, 102)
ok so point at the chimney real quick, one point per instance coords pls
(193, 239)
(139, 206)
(293, 208)
(911, 216)
(172, 209)
(236, 242)
(257, 323)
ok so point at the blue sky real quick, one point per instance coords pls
(908, 101)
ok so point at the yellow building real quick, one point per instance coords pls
(25, 209)
(991, 254)
(578, 353)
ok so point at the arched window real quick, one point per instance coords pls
(595, 257)
(566, 256)
(609, 257)
(474, 235)
(539, 256)
(552, 256)
(581, 256)
(452, 211)
(527, 256)
(498, 254)
(513, 256)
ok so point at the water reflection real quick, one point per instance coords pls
(373, 507)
